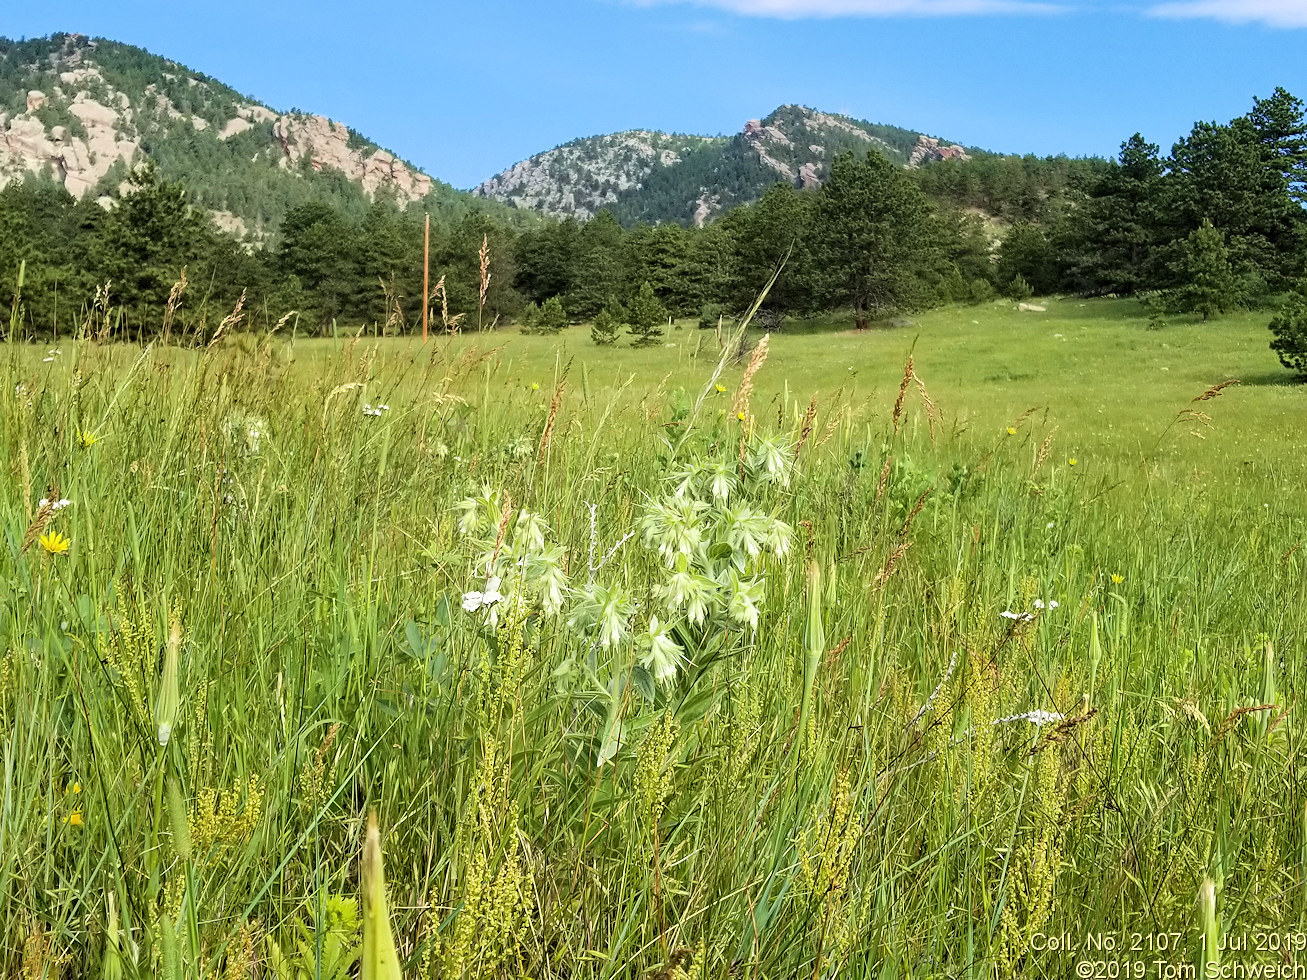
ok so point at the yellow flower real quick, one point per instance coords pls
(741, 416)
(1011, 431)
(1072, 461)
(1117, 579)
(720, 389)
(87, 439)
(535, 386)
(77, 787)
(75, 818)
(55, 543)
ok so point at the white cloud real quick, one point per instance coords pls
(795, 9)
(1276, 13)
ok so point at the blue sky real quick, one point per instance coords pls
(466, 89)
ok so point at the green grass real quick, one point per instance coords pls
(326, 668)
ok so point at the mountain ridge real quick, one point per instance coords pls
(82, 111)
(646, 175)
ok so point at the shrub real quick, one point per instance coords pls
(528, 317)
(980, 291)
(1019, 288)
(711, 315)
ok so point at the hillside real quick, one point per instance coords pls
(82, 111)
(656, 177)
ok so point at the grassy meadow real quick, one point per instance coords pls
(652, 664)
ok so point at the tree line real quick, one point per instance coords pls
(1217, 223)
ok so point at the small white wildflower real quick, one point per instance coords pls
(1050, 526)
(473, 601)
(1037, 717)
(1023, 617)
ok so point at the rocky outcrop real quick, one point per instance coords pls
(77, 162)
(326, 145)
(78, 124)
(583, 177)
(928, 148)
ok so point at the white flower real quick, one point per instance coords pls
(1037, 717)
(672, 525)
(1039, 604)
(544, 571)
(472, 601)
(693, 590)
(662, 655)
(772, 461)
(478, 513)
(529, 532)
(744, 599)
(606, 609)
(747, 530)
(55, 507)
(1024, 617)
(778, 538)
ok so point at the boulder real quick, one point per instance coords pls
(1031, 308)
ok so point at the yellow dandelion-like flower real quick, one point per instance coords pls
(1117, 579)
(1072, 461)
(741, 416)
(77, 787)
(74, 819)
(721, 389)
(1011, 431)
(55, 543)
(87, 439)
(535, 386)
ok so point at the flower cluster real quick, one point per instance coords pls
(375, 411)
(1026, 617)
(55, 506)
(519, 564)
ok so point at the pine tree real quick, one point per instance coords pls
(606, 326)
(646, 315)
(1289, 327)
(1205, 280)
(552, 317)
(869, 248)
(1116, 234)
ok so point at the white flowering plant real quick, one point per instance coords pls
(712, 534)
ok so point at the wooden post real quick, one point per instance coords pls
(426, 275)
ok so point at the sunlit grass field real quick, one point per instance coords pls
(998, 647)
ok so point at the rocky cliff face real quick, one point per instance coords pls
(656, 177)
(584, 176)
(89, 110)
